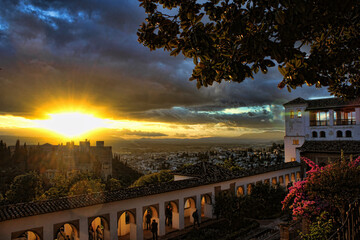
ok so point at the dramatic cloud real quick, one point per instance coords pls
(64, 53)
(128, 132)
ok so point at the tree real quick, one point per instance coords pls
(162, 176)
(86, 187)
(123, 172)
(320, 229)
(228, 207)
(326, 189)
(312, 42)
(25, 188)
(113, 184)
(264, 201)
(60, 185)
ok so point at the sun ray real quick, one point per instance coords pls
(71, 124)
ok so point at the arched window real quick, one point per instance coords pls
(322, 134)
(339, 134)
(299, 113)
(291, 114)
(348, 133)
(314, 134)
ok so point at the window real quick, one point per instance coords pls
(348, 133)
(319, 118)
(295, 142)
(344, 117)
(293, 159)
(314, 134)
(299, 113)
(322, 134)
(291, 114)
(339, 134)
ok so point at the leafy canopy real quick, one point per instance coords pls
(312, 42)
(153, 178)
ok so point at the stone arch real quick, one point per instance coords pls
(293, 179)
(206, 198)
(274, 181)
(322, 134)
(240, 191)
(348, 134)
(66, 230)
(339, 134)
(281, 180)
(174, 206)
(26, 235)
(172, 221)
(99, 227)
(154, 213)
(206, 206)
(314, 134)
(126, 223)
(189, 203)
(189, 208)
(250, 187)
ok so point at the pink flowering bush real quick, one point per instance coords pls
(325, 189)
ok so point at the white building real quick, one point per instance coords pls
(319, 129)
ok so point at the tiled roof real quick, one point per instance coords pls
(331, 103)
(20, 210)
(205, 170)
(296, 101)
(325, 103)
(331, 146)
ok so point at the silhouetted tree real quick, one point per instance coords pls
(312, 42)
(25, 188)
(162, 176)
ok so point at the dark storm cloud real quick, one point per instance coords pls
(87, 51)
(260, 118)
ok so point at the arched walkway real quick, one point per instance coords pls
(99, 229)
(150, 213)
(172, 220)
(206, 206)
(27, 235)
(127, 226)
(67, 231)
(189, 208)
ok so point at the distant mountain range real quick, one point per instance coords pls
(154, 143)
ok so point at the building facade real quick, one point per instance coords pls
(320, 129)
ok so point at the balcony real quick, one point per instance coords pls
(319, 122)
(344, 122)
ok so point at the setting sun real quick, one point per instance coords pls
(71, 124)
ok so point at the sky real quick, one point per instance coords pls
(83, 56)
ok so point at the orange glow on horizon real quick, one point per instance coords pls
(71, 124)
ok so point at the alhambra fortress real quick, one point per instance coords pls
(319, 129)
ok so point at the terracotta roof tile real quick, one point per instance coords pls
(331, 146)
(325, 103)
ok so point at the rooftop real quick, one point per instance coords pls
(205, 170)
(21, 210)
(325, 103)
(350, 147)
